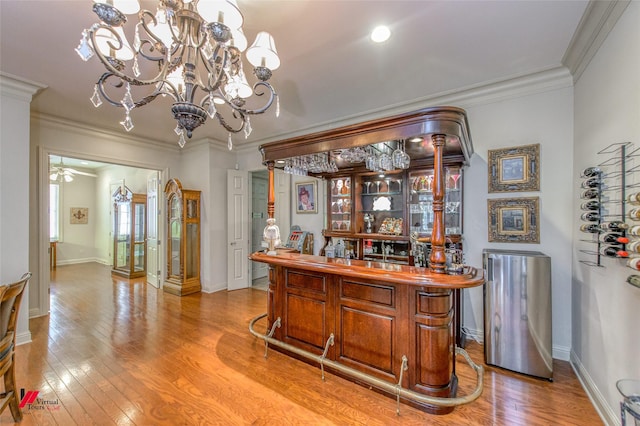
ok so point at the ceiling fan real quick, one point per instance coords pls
(61, 173)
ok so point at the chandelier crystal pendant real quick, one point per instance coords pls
(190, 51)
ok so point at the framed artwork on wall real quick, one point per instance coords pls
(306, 193)
(514, 169)
(79, 215)
(514, 220)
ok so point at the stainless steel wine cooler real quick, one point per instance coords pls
(517, 311)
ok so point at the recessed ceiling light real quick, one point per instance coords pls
(380, 34)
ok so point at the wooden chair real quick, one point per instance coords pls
(10, 297)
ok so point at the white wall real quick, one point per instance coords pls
(605, 344)
(15, 99)
(545, 119)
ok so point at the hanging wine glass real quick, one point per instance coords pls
(429, 180)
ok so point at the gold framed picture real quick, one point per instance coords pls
(514, 220)
(79, 215)
(514, 169)
(306, 193)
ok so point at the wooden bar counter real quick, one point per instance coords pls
(377, 312)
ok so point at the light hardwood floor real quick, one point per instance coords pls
(118, 352)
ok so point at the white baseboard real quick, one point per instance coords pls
(607, 414)
(83, 260)
(22, 338)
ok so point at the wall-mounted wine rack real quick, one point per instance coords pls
(605, 185)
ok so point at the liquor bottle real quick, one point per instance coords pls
(590, 205)
(634, 280)
(634, 230)
(614, 226)
(634, 214)
(634, 246)
(590, 194)
(613, 251)
(593, 182)
(590, 216)
(634, 198)
(591, 171)
(613, 238)
(634, 263)
(590, 227)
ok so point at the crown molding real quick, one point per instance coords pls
(597, 21)
(86, 130)
(18, 87)
(480, 94)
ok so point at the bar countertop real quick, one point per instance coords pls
(379, 271)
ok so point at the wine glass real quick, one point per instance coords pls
(378, 183)
(367, 184)
(455, 178)
(429, 180)
(388, 181)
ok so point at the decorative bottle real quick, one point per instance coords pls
(590, 227)
(593, 182)
(634, 246)
(634, 263)
(590, 205)
(591, 171)
(634, 230)
(613, 251)
(613, 238)
(634, 198)
(614, 226)
(634, 214)
(589, 194)
(590, 216)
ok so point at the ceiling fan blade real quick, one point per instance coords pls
(77, 172)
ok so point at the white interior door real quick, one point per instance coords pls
(237, 229)
(153, 269)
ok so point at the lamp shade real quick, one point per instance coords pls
(223, 11)
(262, 52)
(128, 7)
(238, 87)
(105, 39)
(239, 41)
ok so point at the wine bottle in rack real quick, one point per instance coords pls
(590, 194)
(613, 251)
(634, 214)
(590, 216)
(633, 246)
(593, 182)
(634, 231)
(613, 238)
(591, 171)
(614, 226)
(634, 199)
(590, 227)
(634, 280)
(590, 205)
(634, 263)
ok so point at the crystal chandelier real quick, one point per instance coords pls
(189, 50)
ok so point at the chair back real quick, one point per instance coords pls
(10, 298)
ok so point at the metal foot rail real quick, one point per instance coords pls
(392, 388)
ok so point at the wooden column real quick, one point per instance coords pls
(271, 197)
(438, 259)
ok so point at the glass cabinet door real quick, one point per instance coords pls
(129, 233)
(139, 234)
(340, 190)
(421, 201)
(122, 236)
(382, 203)
(175, 228)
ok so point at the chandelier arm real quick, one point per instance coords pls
(213, 83)
(272, 96)
(111, 68)
(143, 101)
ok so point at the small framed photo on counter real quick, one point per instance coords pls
(514, 169)
(514, 220)
(306, 193)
